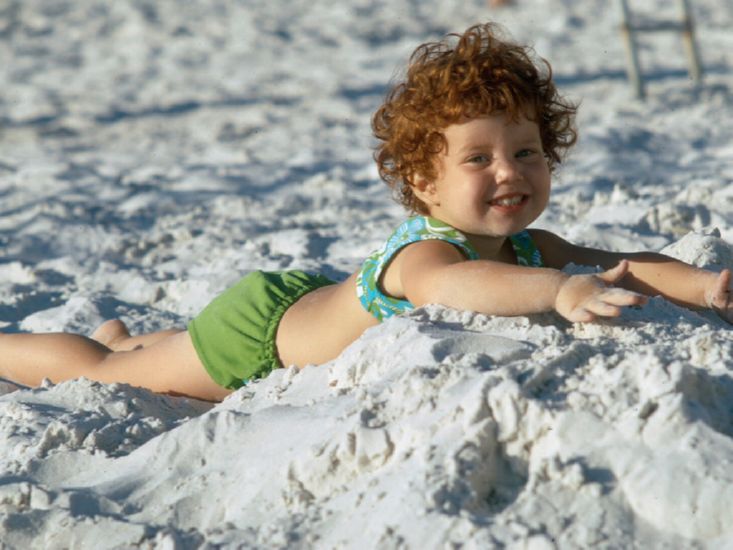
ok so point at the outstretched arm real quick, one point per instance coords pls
(436, 272)
(649, 273)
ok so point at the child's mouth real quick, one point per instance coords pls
(509, 201)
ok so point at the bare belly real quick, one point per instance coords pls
(321, 324)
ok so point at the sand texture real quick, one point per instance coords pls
(152, 152)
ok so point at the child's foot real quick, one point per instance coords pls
(111, 334)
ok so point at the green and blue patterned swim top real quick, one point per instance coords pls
(421, 228)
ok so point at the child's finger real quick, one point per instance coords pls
(725, 282)
(604, 309)
(615, 274)
(721, 297)
(622, 297)
(722, 290)
(581, 315)
(610, 304)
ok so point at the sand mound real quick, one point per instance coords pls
(154, 152)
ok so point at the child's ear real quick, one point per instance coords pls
(425, 190)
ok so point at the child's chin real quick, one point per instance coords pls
(506, 230)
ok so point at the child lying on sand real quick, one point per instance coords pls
(468, 141)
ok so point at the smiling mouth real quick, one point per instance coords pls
(509, 200)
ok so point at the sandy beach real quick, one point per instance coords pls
(154, 152)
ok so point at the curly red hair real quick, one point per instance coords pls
(447, 81)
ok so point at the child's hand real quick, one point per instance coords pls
(583, 298)
(717, 296)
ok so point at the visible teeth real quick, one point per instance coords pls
(509, 201)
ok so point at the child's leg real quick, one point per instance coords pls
(170, 365)
(115, 336)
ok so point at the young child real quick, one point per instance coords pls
(468, 141)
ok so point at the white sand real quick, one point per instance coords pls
(152, 152)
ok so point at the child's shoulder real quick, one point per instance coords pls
(429, 227)
(556, 251)
(424, 228)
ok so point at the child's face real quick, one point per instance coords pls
(493, 179)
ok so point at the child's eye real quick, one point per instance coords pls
(478, 159)
(525, 153)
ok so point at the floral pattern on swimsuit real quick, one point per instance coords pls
(416, 229)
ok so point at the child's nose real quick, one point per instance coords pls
(506, 170)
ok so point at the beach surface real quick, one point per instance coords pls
(153, 152)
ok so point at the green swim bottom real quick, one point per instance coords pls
(234, 335)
